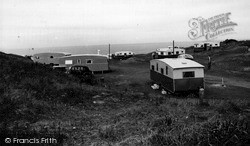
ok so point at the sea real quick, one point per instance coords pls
(140, 48)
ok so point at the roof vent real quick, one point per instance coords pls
(183, 62)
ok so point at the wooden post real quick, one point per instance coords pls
(109, 57)
(201, 95)
(109, 51)
(173, 47)
(222, 82)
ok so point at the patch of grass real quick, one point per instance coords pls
(109, 133)
(229, 107)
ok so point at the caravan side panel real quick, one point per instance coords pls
(95, 63)
(178, 73)
(164, 81)
(188, 84)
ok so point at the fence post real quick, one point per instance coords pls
(201, 95)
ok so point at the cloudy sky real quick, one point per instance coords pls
(50, 23)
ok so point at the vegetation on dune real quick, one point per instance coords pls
(231, 59)
(28, 93)
(37, 101)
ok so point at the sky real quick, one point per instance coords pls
(55, 23)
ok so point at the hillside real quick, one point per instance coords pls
(230, 60)
(37, 101)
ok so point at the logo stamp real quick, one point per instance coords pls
(210, 28)
(44, 140)
(7, 140)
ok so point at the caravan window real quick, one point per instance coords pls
(169, 53)
(78, 61)
(51, 57)
(166, 70)
(188, 74)
(157, 66)
(68, 62)
(89, 61)
(177, 52)
(161, 53)
(162, 71)
(153, 67)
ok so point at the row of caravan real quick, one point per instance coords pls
(95, 62)
(172, 74)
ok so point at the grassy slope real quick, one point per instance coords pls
(126, 112)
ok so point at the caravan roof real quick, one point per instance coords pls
(77, 55)
(176, 63)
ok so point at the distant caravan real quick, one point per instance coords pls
(177, 74)
(206, 46)
(95, 62)
(168, 52)
(49, 57)
(186, 56)
(123, 55)
(63, 61)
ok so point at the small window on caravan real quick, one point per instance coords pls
(51, 57)
(68, 62)
(166, 70)
(79, 61)
(156, 66)
(162, 53)
(125, 54)
(177, 52)
(89, 61)
(188, 74)
(169, 53)
(162, 71)
(153, 67)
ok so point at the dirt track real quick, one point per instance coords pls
(227, 81)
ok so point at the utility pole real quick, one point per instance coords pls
(109, 57)
(173, 47)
